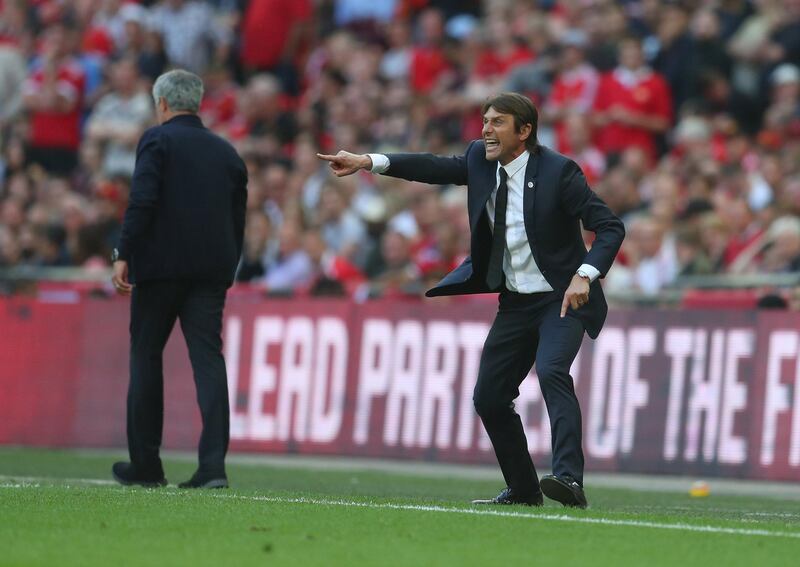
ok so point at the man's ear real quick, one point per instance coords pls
(525, 132)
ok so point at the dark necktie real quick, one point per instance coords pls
(494, 275)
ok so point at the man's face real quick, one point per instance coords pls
(503, 142)
(630, 55)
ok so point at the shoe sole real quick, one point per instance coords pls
(559, 492)
(496, 503)
(144, 484)
(211, 484)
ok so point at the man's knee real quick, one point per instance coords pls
(548, 372)
(487, 406)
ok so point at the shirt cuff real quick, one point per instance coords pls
(590, 271)
(380, 163)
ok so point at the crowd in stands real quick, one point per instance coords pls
(684, 115)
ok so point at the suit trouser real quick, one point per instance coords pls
(527, 329)
(155, 306)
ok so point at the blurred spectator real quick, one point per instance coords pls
(256, 249)
(776, 250)
(399, 273)
(193, 36)
(260, 120)
(292, 268)
(651, 259)
(396, 61)
(578, 137)
(574, 87)
(53, 94)
(12, 63)
(707, 54)
(279, 50)
(333, 272)
(744, 227)
(692, 258)
(428, 61)
(674, 57)
(749, 46)
(348, 12)
(782, 118)
(340, 228)
(633, 104)
(119, 118)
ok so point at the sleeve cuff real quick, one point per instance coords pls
(590, 271)
(380, 163)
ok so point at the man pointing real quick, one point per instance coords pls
(526, 205)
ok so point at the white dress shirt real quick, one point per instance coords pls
(522, 273)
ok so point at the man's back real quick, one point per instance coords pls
(191, 186)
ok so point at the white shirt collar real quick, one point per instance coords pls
(513, 167)
(630, 77)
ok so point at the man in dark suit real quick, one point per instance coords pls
(526, 205)
(180, 244)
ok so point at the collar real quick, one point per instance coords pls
(186, 120)
(630, 78)
(519, 162)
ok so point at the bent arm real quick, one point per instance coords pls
(145, 190)
(578, 200)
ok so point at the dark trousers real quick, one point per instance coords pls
(527, 329)
(154, 308)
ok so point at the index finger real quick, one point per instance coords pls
(327, 157)
(564, 305)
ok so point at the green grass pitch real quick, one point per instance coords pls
(58, 508)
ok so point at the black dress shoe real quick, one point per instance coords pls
(564, 489)
(508, 496)
(201, 480)
(125, 474)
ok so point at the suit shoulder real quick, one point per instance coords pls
(476, 151)
(549, 154)
(224, 143)
(565, 164)
(152, 132)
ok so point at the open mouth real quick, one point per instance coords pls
(492, 144)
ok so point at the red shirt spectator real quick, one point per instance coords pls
(491, 63)
(428, 61)
(267, 29)
(57, 125)
(573, 90)
(633, 104)
(53, 94)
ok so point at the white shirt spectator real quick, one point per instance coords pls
(123, 114)
(190, 31)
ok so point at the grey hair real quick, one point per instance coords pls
(182, 90)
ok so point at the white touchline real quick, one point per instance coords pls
(9, 481)
(546, 517)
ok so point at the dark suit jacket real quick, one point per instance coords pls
(185, 216)
(556, 199)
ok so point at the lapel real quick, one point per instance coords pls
(484, 189)
(530, 190)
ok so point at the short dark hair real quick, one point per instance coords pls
(521, 108)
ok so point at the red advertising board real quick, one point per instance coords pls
(710, 393)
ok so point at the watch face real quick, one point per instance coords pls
(114, 255)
